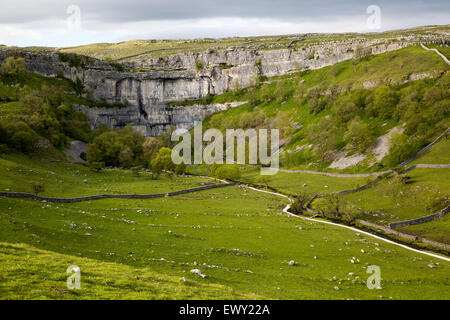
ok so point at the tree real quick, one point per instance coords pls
(150, 148)
(78, 87)
(31, 99)
(401, 148)
(299, 203)
(358, 134)
(37, 187)
(262, 180)
(385, 102)
(126, 157)
(24, 140)
(325, 136)
(180, 169)
(344, 110)
(230, 172)
(114, 148)
(12, 67)
(330, 204)
(163, 161)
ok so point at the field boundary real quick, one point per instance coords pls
(111, 196)
(424, 219)
(418, 154)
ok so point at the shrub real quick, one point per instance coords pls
(299, 203)
(385, 101)
(230, 172)
(37, 187)
(344, 110)
(401, 149)
(198, 65)
(12, 67)
(359, 135)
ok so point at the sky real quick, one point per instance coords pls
(61, 23)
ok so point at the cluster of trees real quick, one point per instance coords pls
(129, 149)
(116, 148)
(225, 171)
(354, 117)
(43, 114)
(348, 118)
(267, 93)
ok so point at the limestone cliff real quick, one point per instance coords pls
(178, 77)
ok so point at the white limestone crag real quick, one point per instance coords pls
(175, 78)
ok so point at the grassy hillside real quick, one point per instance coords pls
(69, 180)
(32, 273)
(445, 50)
(342, 109)
(146, 246)
(238, 237)
(393, 200)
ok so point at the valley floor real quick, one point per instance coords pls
(146, 249)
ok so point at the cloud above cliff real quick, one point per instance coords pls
(50, 23)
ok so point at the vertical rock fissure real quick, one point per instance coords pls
(140, 103)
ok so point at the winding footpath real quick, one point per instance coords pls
(286, 210)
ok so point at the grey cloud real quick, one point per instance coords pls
(117, 11)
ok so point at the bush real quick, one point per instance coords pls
(37, 187)
(344, 110)
(121, 147)
(385, 102)
(401, 149)
(230, 172)
(359, 135)
(299, 203)
(12, 67)
(198, 65)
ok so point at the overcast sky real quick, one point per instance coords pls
(56, 23)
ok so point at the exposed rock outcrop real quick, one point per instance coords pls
(176, 78)
(151, 120)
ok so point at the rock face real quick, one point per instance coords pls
(151, 120)
(177, 78)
